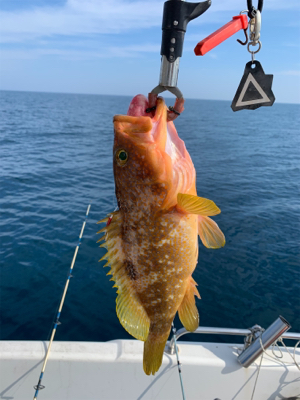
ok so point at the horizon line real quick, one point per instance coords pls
(119, 95)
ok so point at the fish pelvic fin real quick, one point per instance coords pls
(154, 348)
(188, 312)
(210, 234)
(197, 205)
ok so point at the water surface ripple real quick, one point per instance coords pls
(56, 157)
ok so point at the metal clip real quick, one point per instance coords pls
(254, 33)
(254, 28)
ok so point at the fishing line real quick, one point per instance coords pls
(178, 362)
(39, 386)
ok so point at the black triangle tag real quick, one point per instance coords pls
(255, 89)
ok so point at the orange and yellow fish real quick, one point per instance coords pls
(152, 240)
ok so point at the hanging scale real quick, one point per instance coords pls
(255, 88)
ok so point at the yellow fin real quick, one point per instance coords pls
(188, 312)
(210, 234)
(102, 238)
(153, 353)
(103, 220)
(131, 313)
(197, 205)
(102, 230)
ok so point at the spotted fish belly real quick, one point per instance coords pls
(152, 260)
(163, 254)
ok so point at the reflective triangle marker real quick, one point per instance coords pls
(255, 89)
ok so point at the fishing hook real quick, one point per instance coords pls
(246, 41)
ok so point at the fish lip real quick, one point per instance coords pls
(151, 126)
(140, 124)
(139, 107)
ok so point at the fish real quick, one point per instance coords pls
(152, 239)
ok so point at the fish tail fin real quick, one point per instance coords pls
(153, 353)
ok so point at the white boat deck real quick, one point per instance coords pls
(113, 370)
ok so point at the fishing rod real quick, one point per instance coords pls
(39, 386)
(178, 362)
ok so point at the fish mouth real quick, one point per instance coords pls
(140, 120)
(138, 107)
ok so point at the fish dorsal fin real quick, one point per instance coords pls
(209, 232)
(197, 205)
(131, 313)
(188, 312)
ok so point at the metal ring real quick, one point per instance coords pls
(172, 112)
(254, 44)
(172, 89)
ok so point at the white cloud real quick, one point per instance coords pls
(289, 72)
(78, 17)
(73, 54)
(291, 44)
(235, 5)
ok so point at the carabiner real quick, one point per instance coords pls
(252, 10)
(255, 27)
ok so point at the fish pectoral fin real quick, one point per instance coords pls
(130, 311)
(188, 312)
(209, 232)
(197, 205)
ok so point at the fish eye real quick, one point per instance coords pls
(122, 157)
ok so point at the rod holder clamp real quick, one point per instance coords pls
(263, 340)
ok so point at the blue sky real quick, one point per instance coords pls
(113, 47)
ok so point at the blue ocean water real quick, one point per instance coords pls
(56, 157)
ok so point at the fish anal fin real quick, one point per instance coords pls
(197, 205)
(130, 312)
(210, 234)
(188, 312)
(194, 284)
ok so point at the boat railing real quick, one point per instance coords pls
(170, 347)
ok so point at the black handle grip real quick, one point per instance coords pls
(177, 14)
